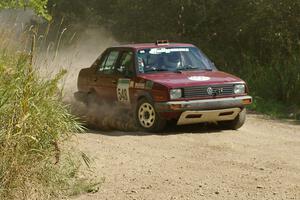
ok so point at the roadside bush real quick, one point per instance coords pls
(33, 122)
(275, 87)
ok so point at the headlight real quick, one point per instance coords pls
(175, 93)
(239, 89)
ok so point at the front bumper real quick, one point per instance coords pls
(204, 104)
(206, 110)
(194, 117)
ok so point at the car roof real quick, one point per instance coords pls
(153, 45)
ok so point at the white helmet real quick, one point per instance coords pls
(172, 59)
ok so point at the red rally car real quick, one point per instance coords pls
(165, 81)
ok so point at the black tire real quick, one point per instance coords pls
(147, 118)
(235, 124)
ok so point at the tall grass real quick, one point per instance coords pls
(33, 124)
(32, 121)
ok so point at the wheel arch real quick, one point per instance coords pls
(144, 95)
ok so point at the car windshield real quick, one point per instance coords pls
(172, 59)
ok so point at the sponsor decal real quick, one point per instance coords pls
(149, 85)
(131, 84)
(139, 85)
(199, 78)
(141, 65)
(123, 90)
(164, 50)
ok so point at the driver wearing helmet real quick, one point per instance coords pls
(172, 60)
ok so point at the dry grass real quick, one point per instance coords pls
(34, 123)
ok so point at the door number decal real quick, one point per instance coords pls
(123, 90)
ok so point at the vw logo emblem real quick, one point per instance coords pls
(210, 91)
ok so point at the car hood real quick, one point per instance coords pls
(190, 78)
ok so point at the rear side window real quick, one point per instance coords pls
(109, 62)
(126, 66)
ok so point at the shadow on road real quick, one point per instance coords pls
(171, 129)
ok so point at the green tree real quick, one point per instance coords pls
(39, 6)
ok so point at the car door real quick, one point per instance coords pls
(125, 73)
(106, 80)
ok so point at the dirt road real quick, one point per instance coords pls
(260, 161)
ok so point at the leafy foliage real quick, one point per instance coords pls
(39, 6)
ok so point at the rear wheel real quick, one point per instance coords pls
(147, 118)
(235, 124)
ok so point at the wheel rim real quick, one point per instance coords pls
(146, 115)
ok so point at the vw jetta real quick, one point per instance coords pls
(165, 81)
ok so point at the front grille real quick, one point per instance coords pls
(202, 91)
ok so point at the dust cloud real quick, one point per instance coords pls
(104, 116)
(68, 51)
(86, 48)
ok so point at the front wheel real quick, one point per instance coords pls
(147, 118)
(237, 123)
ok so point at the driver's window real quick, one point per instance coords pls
(109, 63)
(126, 66)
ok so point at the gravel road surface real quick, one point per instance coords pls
(260, 161)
